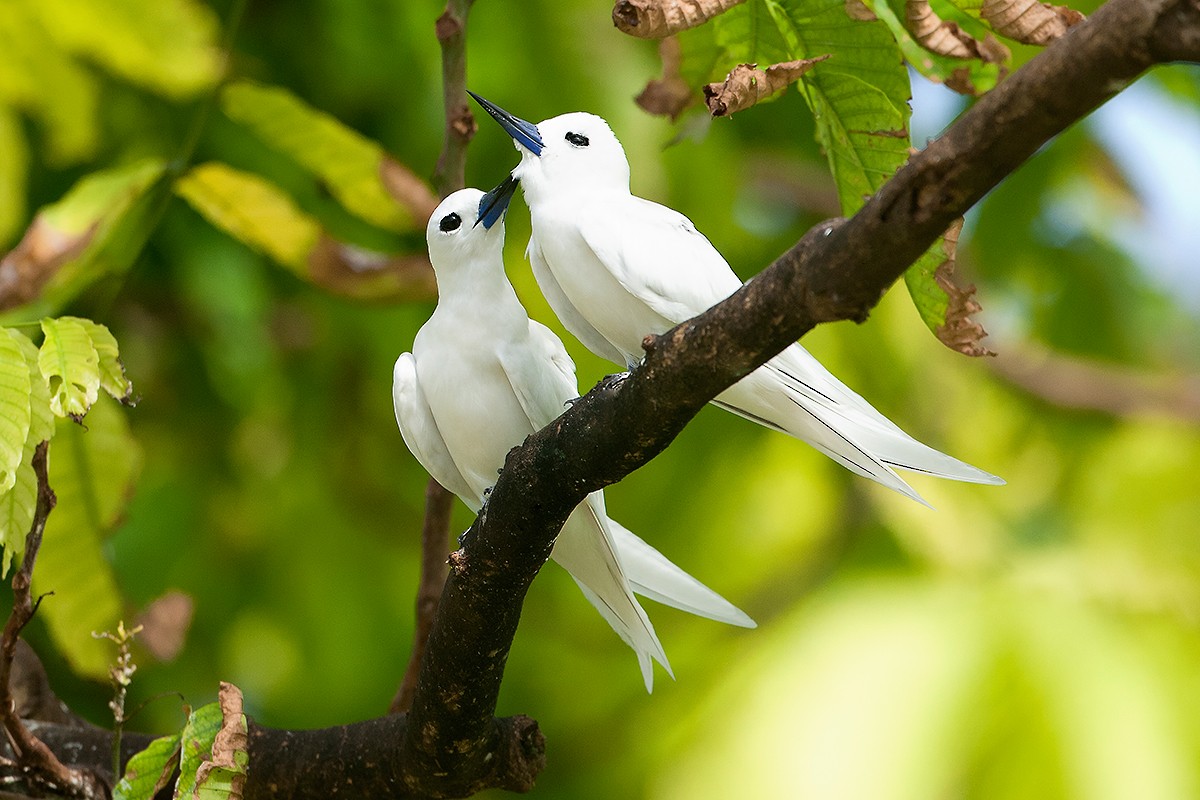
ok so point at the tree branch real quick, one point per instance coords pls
(450, 173)
(449, 176)
(839, 270)
(452, 743)
(35, 762)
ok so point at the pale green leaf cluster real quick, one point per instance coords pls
(90, 470)
(51, 52)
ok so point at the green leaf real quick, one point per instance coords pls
(252, 210)
(169, 46)
(39, 78)
(92, 470)
(15, 414)
(17, 505)
(70, 366)
(149, 770)
(112, 372)
(14, 174)
(201, 729)
(973, 75)
(859, 98)
(347, 162)
(97, 228)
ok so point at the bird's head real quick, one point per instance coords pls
(468, 222)
(570, 151)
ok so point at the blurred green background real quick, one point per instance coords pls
(1033, 641)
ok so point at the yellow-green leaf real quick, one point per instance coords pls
(97, 227)
(17, 505)
(253, 210)
(70, 365)
(40, 78)
(149, 770)
(169, 46)
(112, 372)
(15, 411)
(92, 470)
(198, 734)
(348, 163)
(14, 173)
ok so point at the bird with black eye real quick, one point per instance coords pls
(450, 222)
(577, 139)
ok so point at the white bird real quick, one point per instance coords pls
(615, 267)
(482, 376)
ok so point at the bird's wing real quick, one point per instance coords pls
(421, 433)
(658, 256)
(653, 575)
(570, 317)
(541, 374)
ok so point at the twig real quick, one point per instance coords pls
(449, 176)
(1077, 383)
(35, 759)
(434, 539)
(451, 27)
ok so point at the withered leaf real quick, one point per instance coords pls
(1029, 21)
(35, 260)
(165, 624)
(407, 189)
(746, 85)
(657, 19)
(362, 274)
(858, 10)
(231, 744)
(947, 38)
(669, 95)
(959, 332)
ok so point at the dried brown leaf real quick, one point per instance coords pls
(959, 332)
(858, 10)
(165, 623)
(407, 189)
(657, 19)
(367, 275)
(36, 259)
(230, 740)
(669, 95)
(1029, 21)
(947, 38)
(746, 85)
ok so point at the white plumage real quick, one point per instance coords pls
(481, 377)
(615, 267)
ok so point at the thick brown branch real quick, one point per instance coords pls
(839, 270)
(434, 541)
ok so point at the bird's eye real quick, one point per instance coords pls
(450, 222)
(577, 139)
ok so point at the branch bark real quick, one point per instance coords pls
(839, 270)
(452, 743)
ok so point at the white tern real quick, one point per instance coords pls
(615, 267)
(481, 377)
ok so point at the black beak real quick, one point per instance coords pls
(493, 204)
(523, 133)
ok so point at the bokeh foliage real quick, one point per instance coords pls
(1036, 640)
